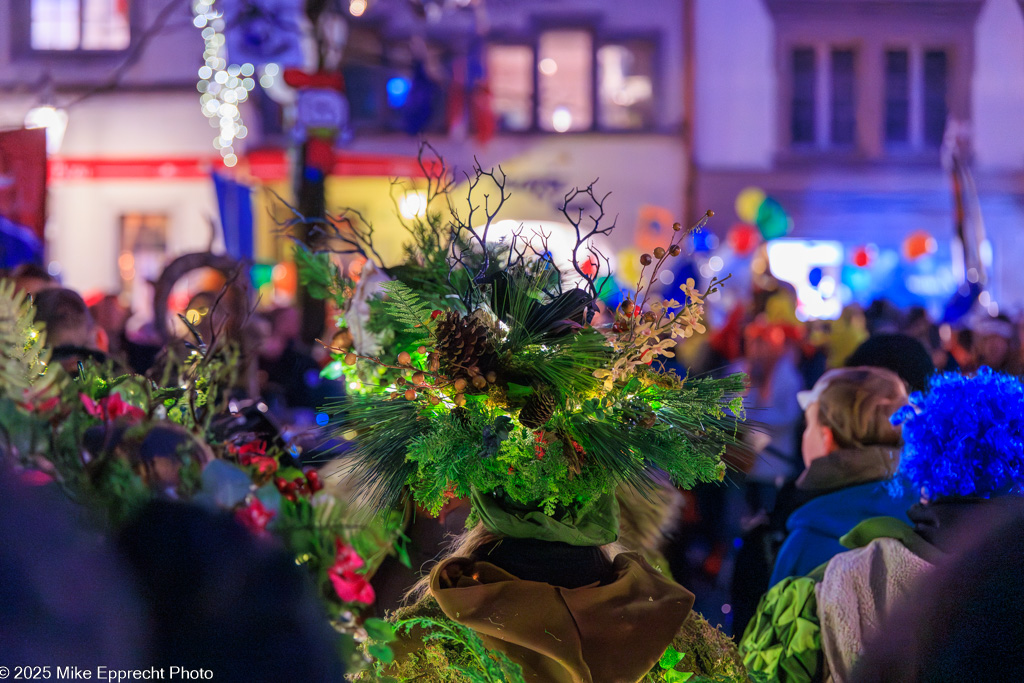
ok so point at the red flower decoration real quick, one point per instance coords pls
(246, 452)
(111, 408)
(265, 466)
(350, 586)
(255, 517)
(44, 407)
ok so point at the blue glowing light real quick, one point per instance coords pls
(398, 91)
(322, 419)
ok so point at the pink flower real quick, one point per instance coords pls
(111, 408)
(350, 586)
(254, 517)
(346, 559)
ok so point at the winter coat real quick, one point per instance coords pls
(857, 491)
(813, 628)
(617, 631)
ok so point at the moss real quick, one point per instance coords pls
(709, 653)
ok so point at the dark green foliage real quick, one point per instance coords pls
(385, 429)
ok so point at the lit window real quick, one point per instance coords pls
(510, 76)
(897, 96)
(935, 111)
(565, 62)
(80, 25)
(625, 76)
(802, 122)
(843, 126)
(142, 258)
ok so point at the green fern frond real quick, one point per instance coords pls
(406, 306)
(25, 372)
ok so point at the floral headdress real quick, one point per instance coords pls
(965, 436)
(506, 393)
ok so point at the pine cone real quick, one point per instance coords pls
(538, 409)
(463, 346)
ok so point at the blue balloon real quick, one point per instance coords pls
(704, 241)
(814, 277)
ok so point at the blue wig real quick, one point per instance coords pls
(965, 436)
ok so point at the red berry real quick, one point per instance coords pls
(280, 483)
(434, 314)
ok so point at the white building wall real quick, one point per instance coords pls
(998, 87)
(736, 85)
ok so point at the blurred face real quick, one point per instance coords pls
(992, 350)
(817, 441)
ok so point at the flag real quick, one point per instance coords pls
(235, 202)
(23, 178)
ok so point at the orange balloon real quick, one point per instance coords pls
(917, 244)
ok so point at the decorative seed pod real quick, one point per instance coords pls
(479, 382)
(421, 349)
(342, 340)
(659, 253)
(491, 377)
(350, 359)
(460, 400)
(410, 394)
(675, 250)
(646, 259)
(460, 385)
(404, 358)
(677, 227)
(418, 378)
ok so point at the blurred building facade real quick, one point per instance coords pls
(837, 109)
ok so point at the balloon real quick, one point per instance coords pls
(742, 238)
(917, 244)
(861, 257)
(629, 267)
(609, 291)
(748, 201)
(772, 220)
(704, 241)
(814, 277)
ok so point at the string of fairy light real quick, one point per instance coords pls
(222, 86)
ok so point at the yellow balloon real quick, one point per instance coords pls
(629, 267)
(748, 201)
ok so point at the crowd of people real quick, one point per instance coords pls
(877, 450)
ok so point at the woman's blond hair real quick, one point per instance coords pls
(857, 404)
(466, 545)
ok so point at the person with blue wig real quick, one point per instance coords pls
(963, 449)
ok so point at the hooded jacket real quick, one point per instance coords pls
(849, 487)
(614, 631)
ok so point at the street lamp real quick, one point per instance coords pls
(54, 120)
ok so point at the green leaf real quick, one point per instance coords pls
(670, 658)
(227, 483)
(518, 391)
(379, 630)
(381, 653)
